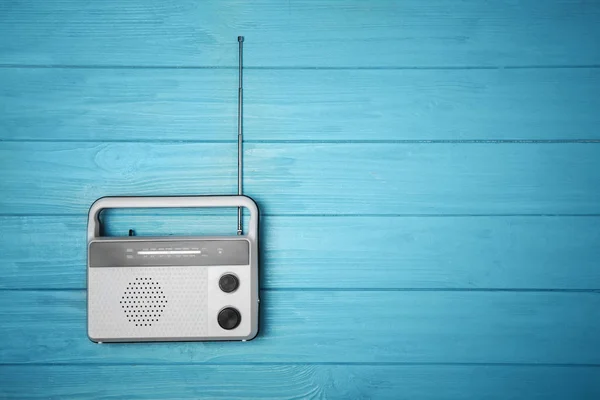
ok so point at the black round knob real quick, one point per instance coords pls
(229, 318)
(229, 283)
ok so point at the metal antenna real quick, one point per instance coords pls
(240, 103)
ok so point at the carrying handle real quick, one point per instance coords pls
(171, 202)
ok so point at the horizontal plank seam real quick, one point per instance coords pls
(310, 141)
(366, 289)
(434, 289)
(304, 67)
(324, 215)
(324, 363)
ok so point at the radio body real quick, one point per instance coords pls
(172, 288)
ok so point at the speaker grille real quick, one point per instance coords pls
(143, 302)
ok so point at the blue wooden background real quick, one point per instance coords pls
(428, 172)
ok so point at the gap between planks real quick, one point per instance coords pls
(310, 141)
(304, 68)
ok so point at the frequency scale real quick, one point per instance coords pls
(197, 288)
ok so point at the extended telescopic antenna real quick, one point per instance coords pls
(240, 103)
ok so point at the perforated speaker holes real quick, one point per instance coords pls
(143, 302)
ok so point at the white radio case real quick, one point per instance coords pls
(172, 288)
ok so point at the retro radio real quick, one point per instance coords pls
(196, 288)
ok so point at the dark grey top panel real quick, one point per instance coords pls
(127, 253)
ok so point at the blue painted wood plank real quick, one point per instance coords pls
(333, 327)
(148, 104)
(309, 178)
(423, 178)
(70, 165)
(300, 381)
(315, 252)
(91, 104)
(301, 33)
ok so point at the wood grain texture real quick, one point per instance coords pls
(300, 381)
(309, 178)
(91, 104)
(428, 173)
(301, 33)
(338, 252)
(28, 169)
(333, 327)
(150, 104)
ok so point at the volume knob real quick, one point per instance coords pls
(229, 283)
(229, 318)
